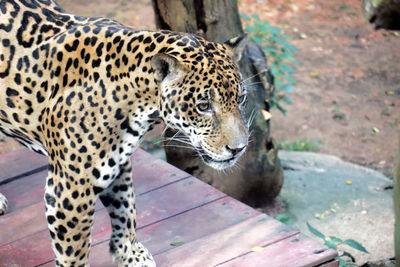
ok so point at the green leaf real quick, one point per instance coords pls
(354, 244)
(315, 231)
(274, 30)
(250, 29)
(289, 79)
(331, 245)
(347, 254)
(269, 49)
(333, 238)
(276, 72)
(283, 218)
(287, 100)
(342, 262)
(281, 109)
(245, 17)
(257, 40)
(177, 244)
(278, 83)
(290, 47)
(287, 37)
(288, 88)
(287, 68)
(256, 16)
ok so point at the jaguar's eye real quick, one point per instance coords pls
(203, 107)
(241, 99)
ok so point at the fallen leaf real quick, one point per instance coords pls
(314, 74)
(177, 244)
(389, 92)
(349, 182)
(257, 249)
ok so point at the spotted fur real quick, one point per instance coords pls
(84, 91)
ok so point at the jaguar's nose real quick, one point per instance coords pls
(235, 150)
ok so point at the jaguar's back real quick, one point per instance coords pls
(32, 35)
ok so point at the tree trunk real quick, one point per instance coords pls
(259, 179)
(384, 14)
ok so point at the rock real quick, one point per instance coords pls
(340, 199)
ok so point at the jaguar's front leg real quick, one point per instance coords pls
(119, 199)
(70, 200)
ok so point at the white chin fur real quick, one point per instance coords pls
(220, 165)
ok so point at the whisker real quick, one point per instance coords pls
(248, 78)
(167, 126)
(251, 84)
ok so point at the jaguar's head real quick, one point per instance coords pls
(201, 95)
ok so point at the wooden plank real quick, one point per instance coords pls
(153, 206)
(152, 173)
(19, 162)
(25, 192)
(149, 174)
(185, 228)
(227, 244)
(22, 223)
(333, 263)
(150, 208)
(298, 250)
(29, 251)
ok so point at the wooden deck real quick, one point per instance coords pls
(172, 207)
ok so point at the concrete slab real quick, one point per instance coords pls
(339, 199)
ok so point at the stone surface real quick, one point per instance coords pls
(355, 201)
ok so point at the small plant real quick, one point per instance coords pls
(279, 53)
(284, 218)
(300, 145)
(345, 258)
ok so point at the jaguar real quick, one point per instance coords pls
(84, 91)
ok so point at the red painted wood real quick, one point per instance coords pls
(227, 244)
(333, 263)
(21, 223)
(153, 206)
(296, 251)
(185, 227)
(149, 174)
(24, 192)
(153, 173)
(20, 161)
(30, 251)
(172, 207)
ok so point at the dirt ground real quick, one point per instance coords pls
(348, 82)
(347, 93)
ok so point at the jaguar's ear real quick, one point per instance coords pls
(237, 45)
(166, 66)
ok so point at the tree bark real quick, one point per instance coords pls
(384, 14)
(260, 178)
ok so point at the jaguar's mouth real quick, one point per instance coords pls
(215, 163)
